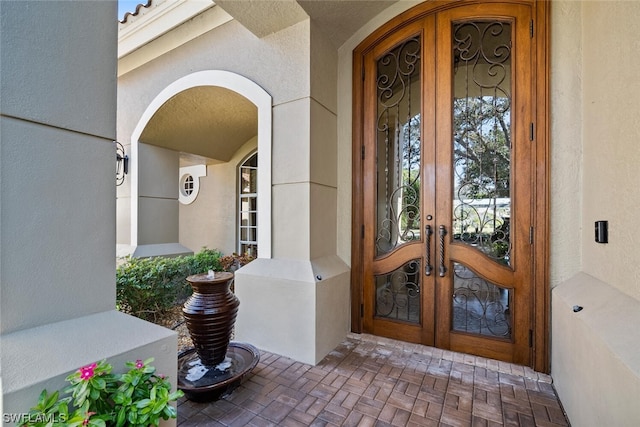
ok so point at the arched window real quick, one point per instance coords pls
(248, 206)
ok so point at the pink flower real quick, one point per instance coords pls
(86, 372)
(86, 420)
(139, 364)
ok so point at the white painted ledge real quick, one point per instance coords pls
(41, 357)
(160, 249)
(596, 352)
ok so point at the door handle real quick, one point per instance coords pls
(442, 233)
(428, 232)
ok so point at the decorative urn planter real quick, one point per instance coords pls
(215, 366)
(210, 314)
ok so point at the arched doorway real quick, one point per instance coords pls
(155, 129)
(450, 224)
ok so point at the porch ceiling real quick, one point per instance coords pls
(339, 19)
(206, 121)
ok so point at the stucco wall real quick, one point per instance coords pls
(280, 57)
(304, 185)
(566, 141)
(158, 195)
(611, 134)
(595, 104)
(53, 140)
(210, 221)
(277, 58)
(57, 210)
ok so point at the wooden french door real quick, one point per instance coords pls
(446, 180)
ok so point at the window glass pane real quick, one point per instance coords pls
(249, 181)
(482, 137)
(248, 206)
(398, 293)
(253, 204)
(250, 249)
(253, 180)
(479, 306)
(252, 161)
(398, 147)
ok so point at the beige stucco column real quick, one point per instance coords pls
(296, 303)
(57, 206)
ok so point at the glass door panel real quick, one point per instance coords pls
(398, 147)
(445, 156)
(482, 137)
(398, 299)
(479, 306)
(398, 293)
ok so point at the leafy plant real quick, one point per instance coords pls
(203, 261)
(99, 398)
(234, 261)
(148, 287)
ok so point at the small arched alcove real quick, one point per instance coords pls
(206, 121)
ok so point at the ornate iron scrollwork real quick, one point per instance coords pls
(398, 293)
(482, 137)
(398, 143)
(479, 306)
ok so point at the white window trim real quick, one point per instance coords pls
(196, 172)
(242, 196)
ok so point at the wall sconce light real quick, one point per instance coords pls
(122, 163)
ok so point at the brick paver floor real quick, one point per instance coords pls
(373, 381)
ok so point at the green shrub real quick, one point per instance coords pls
(203, 261)
(148, 287)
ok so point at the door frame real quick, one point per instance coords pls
(540, 303)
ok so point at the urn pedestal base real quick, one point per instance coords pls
(202, 383)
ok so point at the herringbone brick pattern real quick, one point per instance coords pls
(373, 381)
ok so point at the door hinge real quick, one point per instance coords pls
(531, 130)
(530, 338)
(361, 310)
(531, 28)
(362, 152)
(363, 71)
(362, 232)
(531, 235)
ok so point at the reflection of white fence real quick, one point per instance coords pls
(500, 202)
(480, 215)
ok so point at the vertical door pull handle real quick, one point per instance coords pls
(443, 232)
(428, 232)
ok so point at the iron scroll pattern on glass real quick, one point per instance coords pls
(482, 137)
(398, 293)
(479, 306)
(398, 130)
